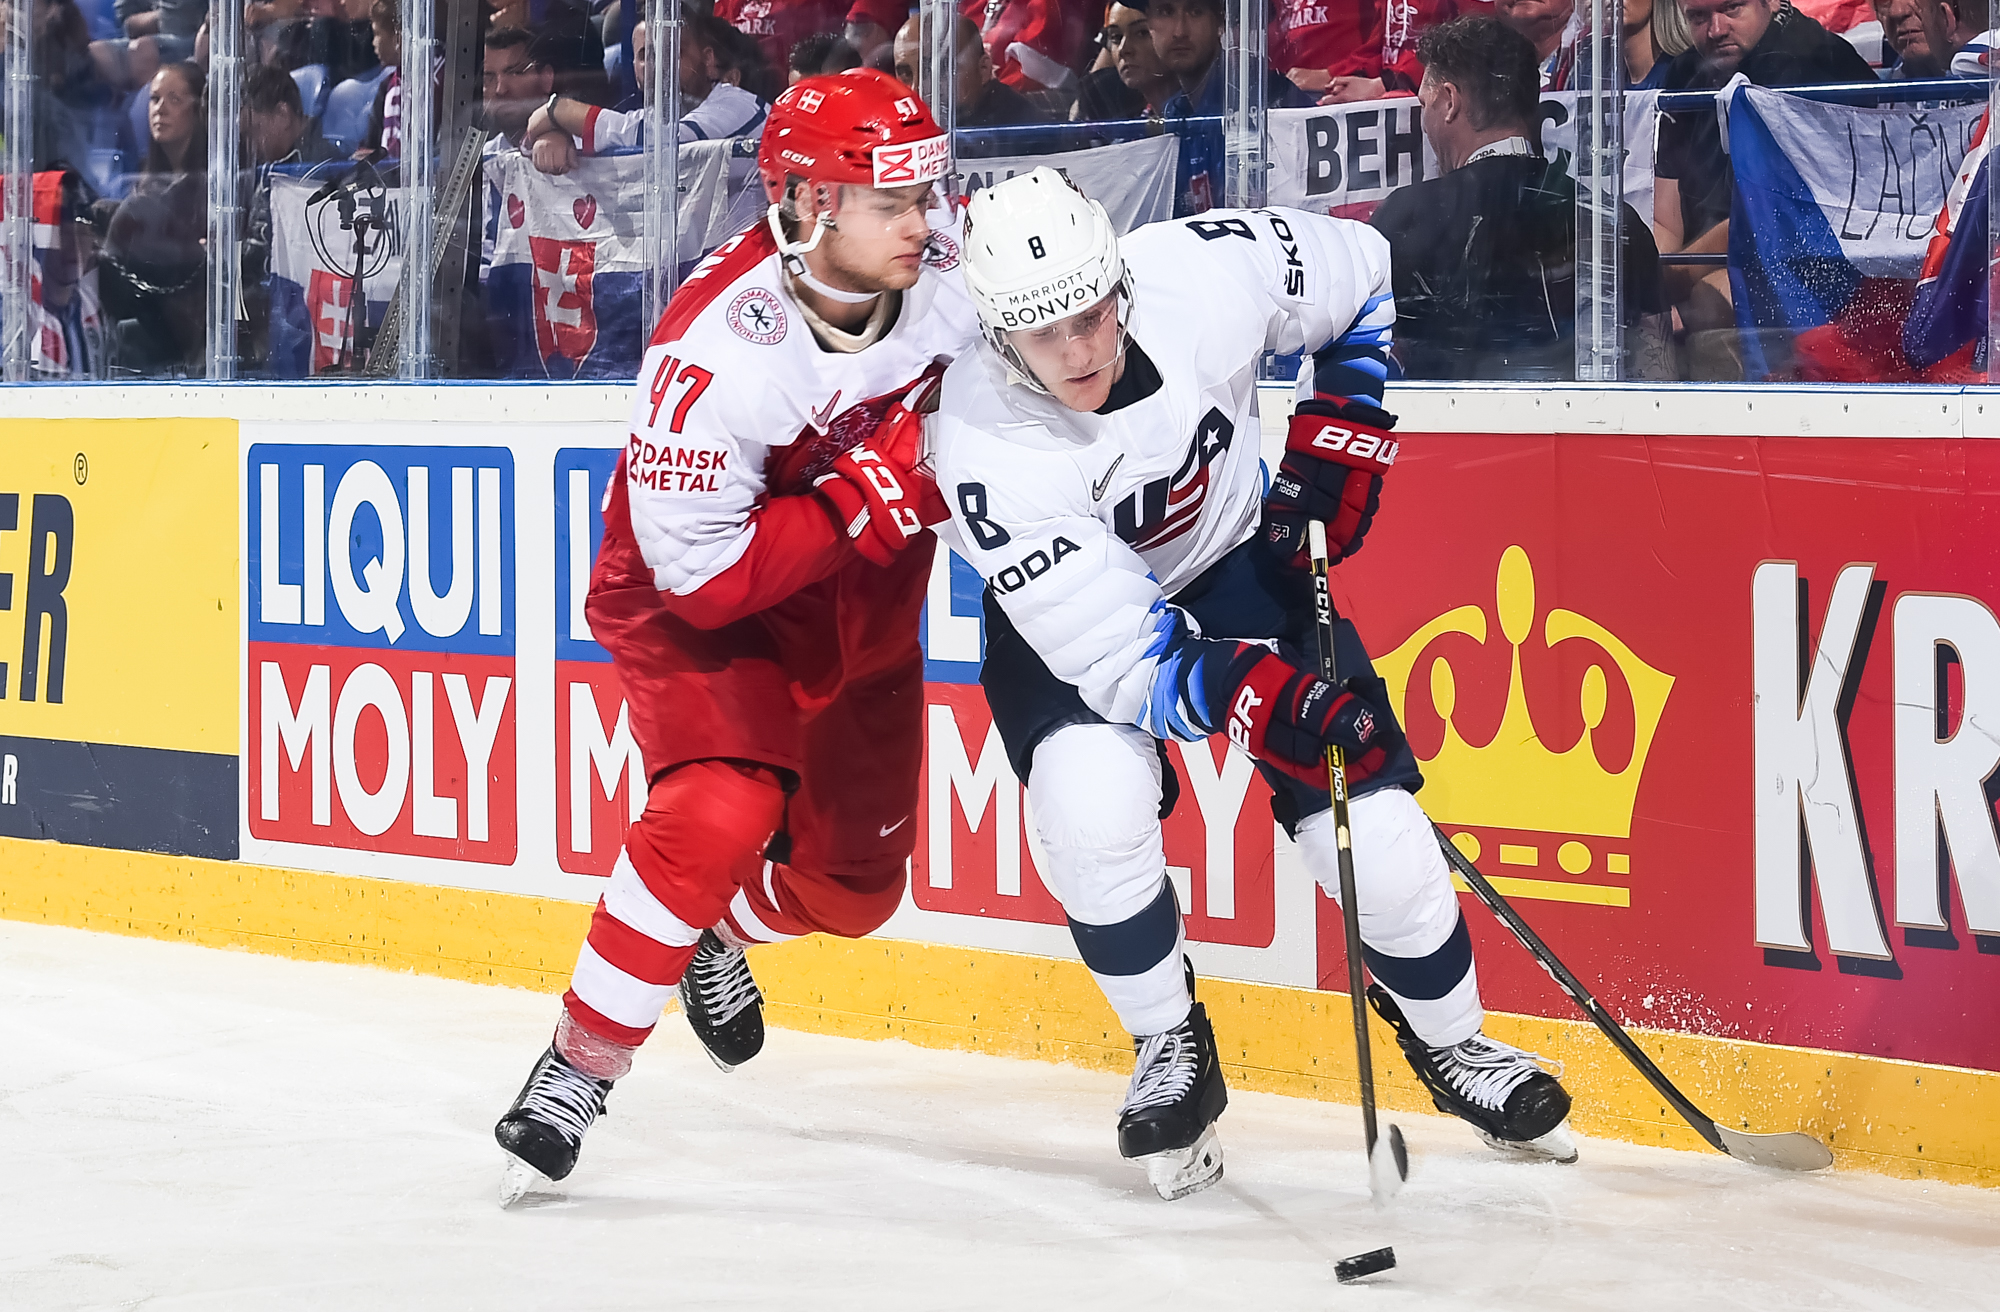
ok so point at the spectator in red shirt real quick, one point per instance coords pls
(1314, 42)
(778, 25)
(1390, 65)
(1035, 45)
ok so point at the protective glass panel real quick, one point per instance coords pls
(1806, 188)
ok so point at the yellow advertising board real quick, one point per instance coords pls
(118, 633)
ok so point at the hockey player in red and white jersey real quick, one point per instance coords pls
(1100, 458)
(764, 561)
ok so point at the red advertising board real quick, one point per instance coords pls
(1731, 705)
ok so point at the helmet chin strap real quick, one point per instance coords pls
(794, 252)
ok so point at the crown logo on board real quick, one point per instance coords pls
(1513, 781)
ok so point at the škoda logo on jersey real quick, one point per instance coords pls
(912, 162)
(381, 649)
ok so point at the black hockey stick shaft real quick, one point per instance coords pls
(1350, 907)
(1703, 1124)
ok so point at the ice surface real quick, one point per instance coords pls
(186, 1128)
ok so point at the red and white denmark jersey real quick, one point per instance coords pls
(736, 400)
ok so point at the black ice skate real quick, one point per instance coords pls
(1168, 1120)
(543, 1131)
(1509, 1100)
(722, 1002)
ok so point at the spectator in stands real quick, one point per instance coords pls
(983, 100)
(275, 126)
(275, 131)
(1484, 257)
(1551, 26)
(385, 119)
(714, 109)
(336, 34)
(778, 25)
(1388, 63)
(821, 53)
(514, 81)
(153, 268)
(1655, 32)
(1924, 35)
(1035, 46)
(1134, 85)
(739, 61)
(69, 90)
(1316, 42)
(1187, 36)
(871, 29)
(156, 32)
(1773, 45)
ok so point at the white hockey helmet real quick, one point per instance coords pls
(1038, 250)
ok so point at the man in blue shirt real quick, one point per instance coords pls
(1187, 37)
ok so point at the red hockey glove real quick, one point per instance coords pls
(1335, 455)
(880, 495)
(1287, 718)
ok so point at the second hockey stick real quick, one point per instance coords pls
(1792, 1150)
(1388, 1158)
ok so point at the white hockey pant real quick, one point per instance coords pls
(1095, 791)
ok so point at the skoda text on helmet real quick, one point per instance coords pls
(859, 128)
(1037, 250)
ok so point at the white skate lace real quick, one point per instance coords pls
(722, 977)
(1484, 1070)
(1165, 1069)
(564, 1098)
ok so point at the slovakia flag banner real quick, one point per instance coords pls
(1833, 209)
(566, 289)
(313, 262)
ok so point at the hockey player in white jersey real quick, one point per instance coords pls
(1100, 457)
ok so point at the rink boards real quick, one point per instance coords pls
(1698, 677)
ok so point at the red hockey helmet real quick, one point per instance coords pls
(860, 127)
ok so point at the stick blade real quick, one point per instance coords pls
(1388, 1166)
(1793, 1150)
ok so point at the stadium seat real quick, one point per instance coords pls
(312, 88)
(138, 133)
(101, 17)
(348, 107)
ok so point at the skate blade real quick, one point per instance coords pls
(1558, 1145)
(1183, 1171)
(518, 1179)
(720, 1064)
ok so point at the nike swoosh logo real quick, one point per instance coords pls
(820, 417)
(1097, 488)
(890, 829)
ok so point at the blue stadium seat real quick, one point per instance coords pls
(348, 107)
(138, 133)
(101, 17)
(312, 88)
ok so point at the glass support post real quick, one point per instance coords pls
(225, 211)
(662, 96)
(1244, 137)
(17, 281)
(1600, 195)
(415, 358)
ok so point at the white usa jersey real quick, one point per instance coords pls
(737, 401)
(1084, 524)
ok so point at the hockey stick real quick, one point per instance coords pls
(1388, 1158)
(1793, 1150)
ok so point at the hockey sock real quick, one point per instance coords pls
(1137, 962)
(1438, 992)
(593, 1054)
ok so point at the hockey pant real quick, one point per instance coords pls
(1095, 792)
(696, 859)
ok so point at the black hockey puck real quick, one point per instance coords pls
(1350, 1269)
